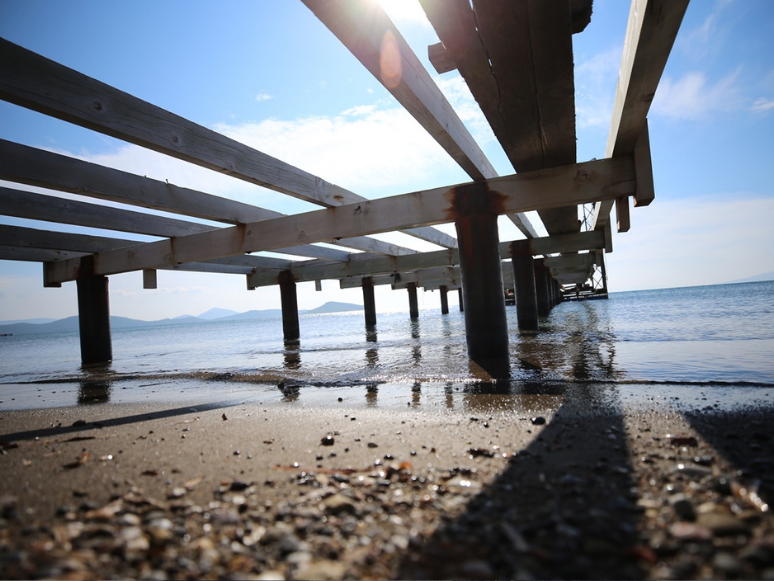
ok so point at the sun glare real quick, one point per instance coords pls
(403, 10)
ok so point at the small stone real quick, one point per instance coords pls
(723, 524)
(328, 440)
(338, 504)
(727, 563)
(538, 421)
(373, 445)
(325, 570)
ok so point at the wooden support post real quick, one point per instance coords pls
(462, 303)
(413, 304)
(551, 290)
(444, 299)
(369, 304)
(149, 279)
(318, 285)
(601, 263)
(541, 288)
(290, 327)
(524, 279)
(559, 293)
(486, 326)
(93, 315)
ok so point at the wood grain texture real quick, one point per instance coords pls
(554, 187)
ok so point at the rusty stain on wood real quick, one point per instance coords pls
(473, 199)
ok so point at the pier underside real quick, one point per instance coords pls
(517, 60)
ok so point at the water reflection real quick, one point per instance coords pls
(416, 394)
(372, 392)
(94, 388)
(94, 391)
(292, 355)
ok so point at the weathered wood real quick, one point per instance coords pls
(516, 58)
(369, 303)
(622, 212)
(36, 254)
(40, 84)
(650, 35)
(149, 279)
(646, 191)
(64, 242)
(289, 300)
(444, 299)
(36, 167)
(554, 187)
(313, 270)
(413, 303)
(524, 283)
(440, 59)
(366, 30)
(94, 317)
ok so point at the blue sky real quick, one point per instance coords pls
(271, 75)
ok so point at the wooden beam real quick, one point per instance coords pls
(63, 242)
(30, 80)
(549, 188)
(27, 254)
(366, 30)
(36, 167)
(646, 191)
(650, 35)
(516, 58)
(440, 59)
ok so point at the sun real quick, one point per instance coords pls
(403, 10)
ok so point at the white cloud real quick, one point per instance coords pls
(367, 149)
(702, 240)
(762, 104)
(262, 96)
(595, 86)
(693, 97)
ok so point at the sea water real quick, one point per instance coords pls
(719, 335)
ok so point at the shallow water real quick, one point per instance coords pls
(713, 337)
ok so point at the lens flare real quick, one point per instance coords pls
(390, 61)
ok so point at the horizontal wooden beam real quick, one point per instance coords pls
(30, 80)
(367, 31)
(548, 188)
(650, 34)
(36, 167)
(63, 242)
(314, 270)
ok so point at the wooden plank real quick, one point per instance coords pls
(27, 254)
(650, 34)
(440, 58)
(549, 188)
(366, 30)
(622, 212)
(149, 279)
(643, 165)
(313, 270)
(21, 237)
(516, 57)
(36, 167)
(30, 80)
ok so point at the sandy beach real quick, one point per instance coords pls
(556, 482)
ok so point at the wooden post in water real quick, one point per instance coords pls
(93, 315)
(462, 304)
(369, 304)
(413, 303)
(541, 288)
(287, 284)
(444, 299)
(524, 281)
(486, 326)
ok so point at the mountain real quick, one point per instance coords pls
(33, 321)
(766, 276)
(217, 313)
(70, 324)
(334, 307)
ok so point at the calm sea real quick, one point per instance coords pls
(713, 335)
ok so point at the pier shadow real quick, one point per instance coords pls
(745, 437)
(564, 507)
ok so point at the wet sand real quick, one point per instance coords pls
(575, 481)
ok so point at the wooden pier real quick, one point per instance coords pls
(517, 60)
